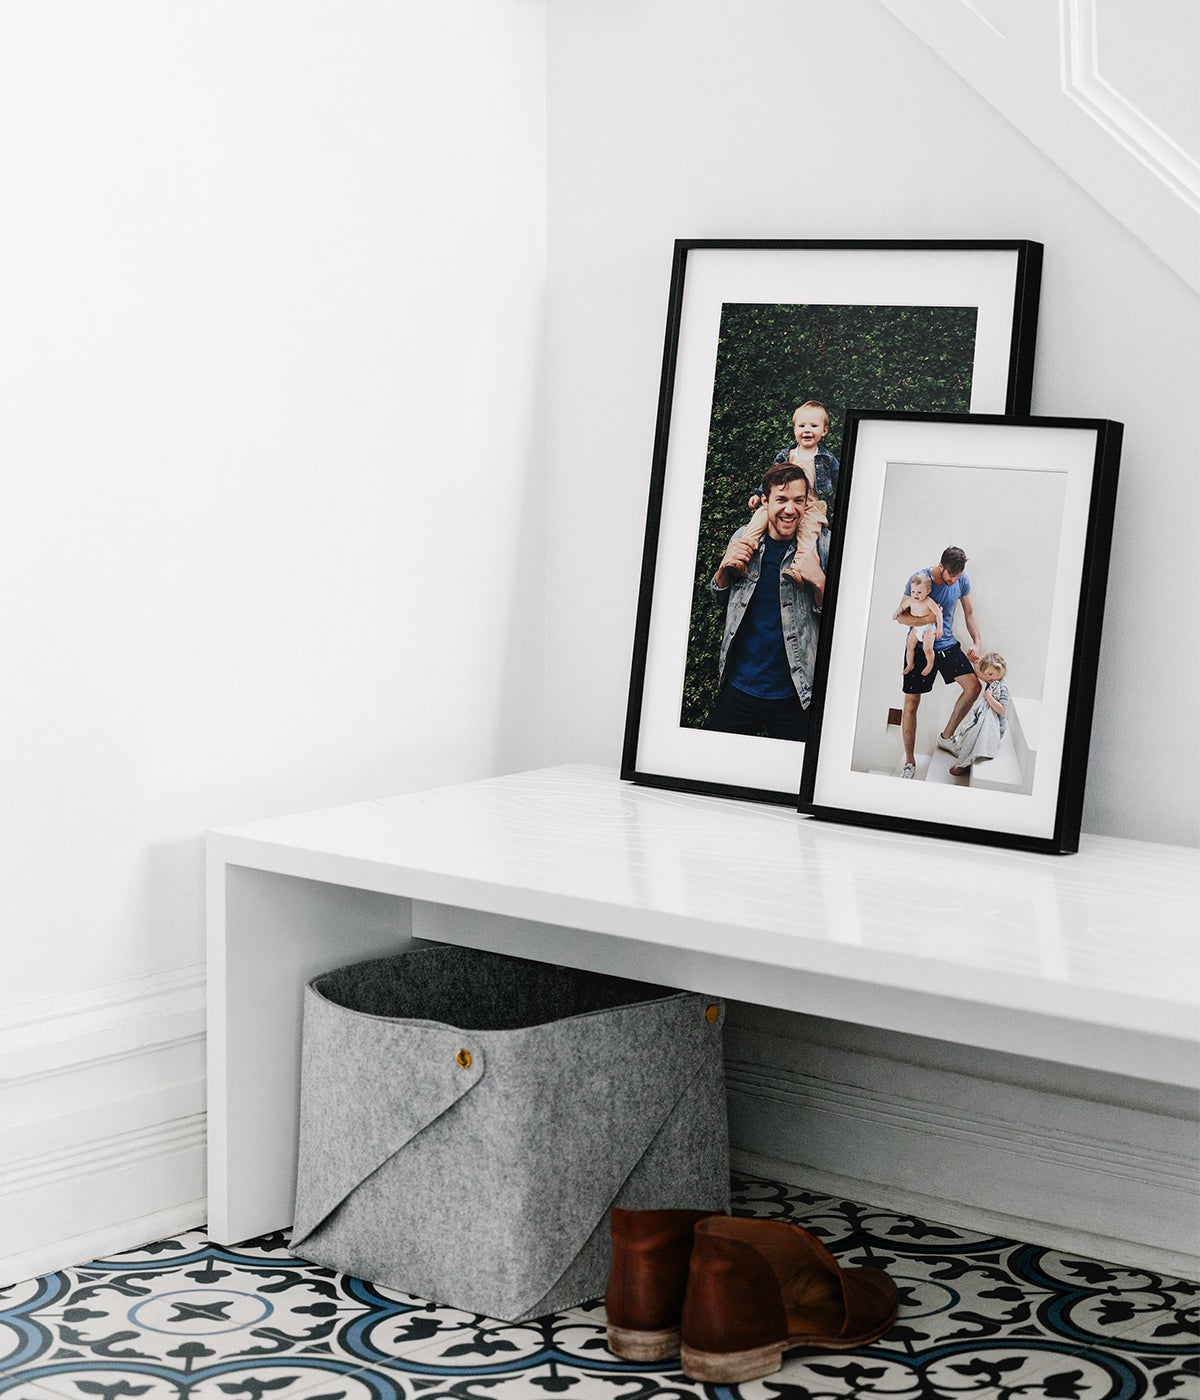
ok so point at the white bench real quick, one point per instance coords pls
(753, 902)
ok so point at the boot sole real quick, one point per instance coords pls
(633, 1345)
(730, 1367)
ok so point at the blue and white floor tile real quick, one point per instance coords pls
(980, 1318)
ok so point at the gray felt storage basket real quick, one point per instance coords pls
(467, 1120)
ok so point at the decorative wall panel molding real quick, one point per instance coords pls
(1125, 129)
(1048, 1156)
(102, 1101)
(1116, 112)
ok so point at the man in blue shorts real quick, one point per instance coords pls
(949, 585)
(772, 602)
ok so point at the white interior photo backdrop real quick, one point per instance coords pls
(1009, 523)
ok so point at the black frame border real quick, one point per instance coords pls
(1017, 401)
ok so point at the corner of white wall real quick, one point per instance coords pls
(275, 494)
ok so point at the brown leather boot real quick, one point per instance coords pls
(651, 1249)
(757, 1287)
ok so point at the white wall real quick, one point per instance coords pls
(793, 118)
(266, 271)
(270, 319)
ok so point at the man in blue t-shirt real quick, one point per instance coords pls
(949, 585)
(772, 602)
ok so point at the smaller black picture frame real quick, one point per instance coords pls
(1032, 500)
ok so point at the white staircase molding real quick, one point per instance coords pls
(1084, 83)
(935, 768)
(1067, 1159)
(1040, 65)
(1011, 770)
(102, 1101)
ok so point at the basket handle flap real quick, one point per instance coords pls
(369, 1085)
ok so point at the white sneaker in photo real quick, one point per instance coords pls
(909, 770)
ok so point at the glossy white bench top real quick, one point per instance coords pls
(1108, 937)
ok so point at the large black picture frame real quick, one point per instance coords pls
(884, 291)
(1031, 501)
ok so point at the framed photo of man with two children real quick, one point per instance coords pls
(960, 638)
(769, 345)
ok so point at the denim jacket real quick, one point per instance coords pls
(800, 618)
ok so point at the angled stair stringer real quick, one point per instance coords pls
(1059, 71)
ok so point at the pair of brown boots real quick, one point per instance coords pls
(731, 1295)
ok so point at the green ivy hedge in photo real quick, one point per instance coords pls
(770, 359)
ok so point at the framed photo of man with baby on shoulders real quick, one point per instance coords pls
(959, 648)
(769, 344)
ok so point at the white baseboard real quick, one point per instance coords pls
(103, 1124)
(102, 1243)
(1069, 1159)
(1168, 1262)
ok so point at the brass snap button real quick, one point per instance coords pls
(463, 1059)
(711, 1014)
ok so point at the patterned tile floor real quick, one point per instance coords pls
(980, 1319)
